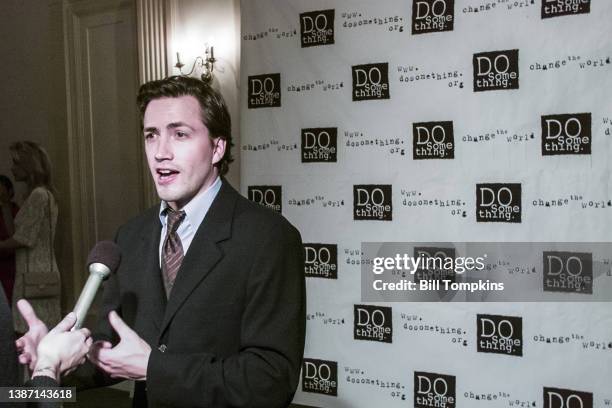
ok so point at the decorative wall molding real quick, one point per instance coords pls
(151, 16)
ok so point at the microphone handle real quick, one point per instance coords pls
(86, 298)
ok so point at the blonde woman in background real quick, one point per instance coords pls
(37, 277)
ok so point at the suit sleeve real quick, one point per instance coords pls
(46, 382)
(265, 372)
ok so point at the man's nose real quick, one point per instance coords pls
(164, 149)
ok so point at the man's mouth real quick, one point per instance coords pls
(166, 176)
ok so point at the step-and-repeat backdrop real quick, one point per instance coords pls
(437, 121)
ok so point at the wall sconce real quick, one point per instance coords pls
(207, 63)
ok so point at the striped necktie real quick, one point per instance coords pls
(172, 251)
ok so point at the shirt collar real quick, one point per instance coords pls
(197, 207)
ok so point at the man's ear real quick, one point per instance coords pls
(218, 150)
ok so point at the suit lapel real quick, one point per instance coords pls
(154, 299)
(203, 253)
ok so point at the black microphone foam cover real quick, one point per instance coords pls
(106, 253)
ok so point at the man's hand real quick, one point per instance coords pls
(28, 343)
(61, 350)
(128, 359)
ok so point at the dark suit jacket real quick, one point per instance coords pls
(232, 332)
(42, 381)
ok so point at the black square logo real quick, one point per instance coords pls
(372, 202)
(264, 91)
(437, 264)
(320, 376)
(370, 81)
(496, 70)
(321, 261)
(268, 196)
(569, 272)
(498, 202)
(562, 398)
(432, 16)
(317, 28)
(499, 334)
(373, 323)
(319, 145)
(433, 140)
(433, 390)
(556, 8)
(566, 134)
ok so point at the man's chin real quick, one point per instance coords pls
(170, 197)
(165, 195)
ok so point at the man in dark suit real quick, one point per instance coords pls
(208, 302)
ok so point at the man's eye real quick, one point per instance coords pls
(148, 136)
(181, 134)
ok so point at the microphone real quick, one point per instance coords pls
(103, 259)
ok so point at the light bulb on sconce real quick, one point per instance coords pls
(206, 63)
